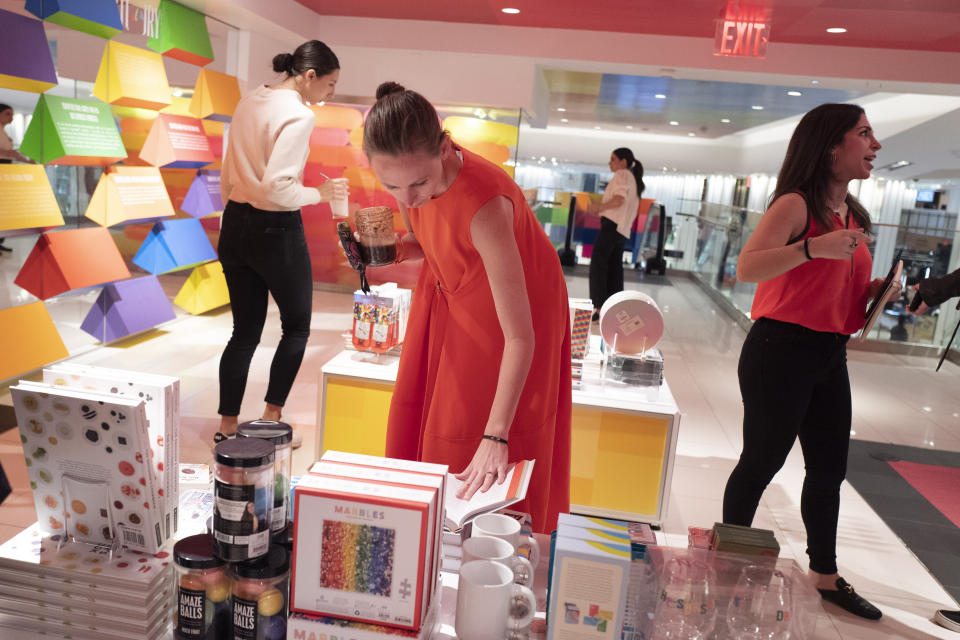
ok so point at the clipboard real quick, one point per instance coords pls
(875, 308)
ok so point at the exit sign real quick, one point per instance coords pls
(741, 37)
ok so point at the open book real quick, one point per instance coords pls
(876, 306)
(513, 489)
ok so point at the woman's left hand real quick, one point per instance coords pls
(877, 283)
(489, 464)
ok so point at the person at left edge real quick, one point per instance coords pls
(262, 247)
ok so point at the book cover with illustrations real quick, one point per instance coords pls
(360, 551)
(89, 462)
(161, 398)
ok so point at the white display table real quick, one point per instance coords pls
(624, 437)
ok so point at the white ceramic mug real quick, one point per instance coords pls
(488, 548)
(497, 525)
(489, 603)
(339, 205)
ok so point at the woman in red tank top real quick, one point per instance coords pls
(484, 377)
(810, 257)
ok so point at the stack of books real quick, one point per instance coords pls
(82, 591)
(731, 538)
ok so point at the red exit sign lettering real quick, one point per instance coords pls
(743, 38)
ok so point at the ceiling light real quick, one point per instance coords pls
(674, 123)
(757, 107)
(480, 113)
(321, 103)
(629, 126)
(660, 96)
(178, 92)
(794, 93)
(564, 120)
(725, 120)
(596, 127)
(814, 82)
(561, 109)
(510, 10)
(692, 134)
(836, 30)
(543, 158)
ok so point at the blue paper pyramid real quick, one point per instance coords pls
(96, 17)
(173, 245)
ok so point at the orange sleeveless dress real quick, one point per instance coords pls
(454, 344)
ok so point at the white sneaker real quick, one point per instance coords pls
(948, 619)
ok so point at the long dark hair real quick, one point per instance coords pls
(633, 165)
(402, 121)
(312, 54)
(808, 166)
(4, 107)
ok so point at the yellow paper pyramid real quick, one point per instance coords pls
(129, 193)
(26, 198)
(132, 77)
(215, 96)
(205, 289)
(28, 340)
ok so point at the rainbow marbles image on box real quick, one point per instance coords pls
(581, 313)
(357, 557)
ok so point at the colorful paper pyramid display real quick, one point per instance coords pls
(74, 259)
(215, 95)
(26, 199)
(183, 34)
(204, 197)
(129, 193)
(73, 132)
(177, 142)
(96, 17)
(28, 339)
(205, 289)
(128, 307)
(132, 77)
(173, 245)
(25, 61)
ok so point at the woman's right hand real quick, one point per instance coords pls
(332, 189)
(837, 245)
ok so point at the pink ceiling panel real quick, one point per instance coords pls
(930, 25)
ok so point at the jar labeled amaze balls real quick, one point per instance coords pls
(242, 498)
(280, 435)
(202, 590)
(259, 601)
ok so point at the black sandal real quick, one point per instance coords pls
(219, 437)
(846, 598)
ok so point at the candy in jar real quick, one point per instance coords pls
(260, 589)
(243, 493)
(202, 590)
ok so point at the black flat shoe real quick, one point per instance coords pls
(595, 317)
(846, 598)
(219, 437)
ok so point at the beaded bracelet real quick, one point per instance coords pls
(806, 248)
(495, 439)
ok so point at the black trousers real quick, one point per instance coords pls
(794, 383)
(264, 252)
(606, 263)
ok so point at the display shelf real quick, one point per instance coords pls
(624, 437)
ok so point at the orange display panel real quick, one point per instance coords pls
(28, 340)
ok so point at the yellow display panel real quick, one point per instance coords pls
(617, 460)
(467, 130)
(26, 198)
(215, 96)
(28, 340)
(132, 77)
(355, 415)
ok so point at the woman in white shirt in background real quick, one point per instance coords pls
(262, 247)
(617, 213)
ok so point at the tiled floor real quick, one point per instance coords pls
(896, 399)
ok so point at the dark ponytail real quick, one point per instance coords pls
(634, 165)
(312, 54)
(402, 121)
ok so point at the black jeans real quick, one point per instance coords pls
(261, 252)
(606, 263)
(794, 383)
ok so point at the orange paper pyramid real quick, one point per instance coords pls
(215, 96)
(28, 340)
(177, 142)
(66, 260)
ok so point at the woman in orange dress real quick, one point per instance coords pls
(484, 378)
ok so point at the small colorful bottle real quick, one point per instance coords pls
(259, 601)
(202, 591)
(385, 327)
(363, 317)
